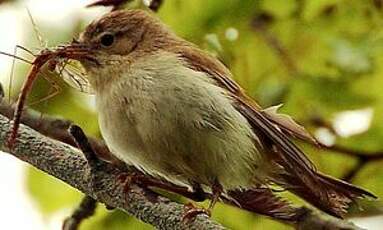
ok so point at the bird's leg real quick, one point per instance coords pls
(198, 194)
(217, 192)
(131, 178)
(148, 182)
(95, 164)
(192, 211)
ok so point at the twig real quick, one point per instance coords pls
(352, 172)
(360, 154)
(363, 157)
(85, 210)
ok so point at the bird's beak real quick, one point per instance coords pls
(78, 51)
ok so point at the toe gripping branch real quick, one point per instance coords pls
(84, 145)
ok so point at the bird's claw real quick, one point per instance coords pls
(192, 212)
(129, 179)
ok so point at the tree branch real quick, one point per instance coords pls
(85, 210)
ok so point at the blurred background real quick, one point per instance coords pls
(321, 58)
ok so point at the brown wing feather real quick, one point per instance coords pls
(203, 62)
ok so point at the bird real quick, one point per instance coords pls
(173, 111)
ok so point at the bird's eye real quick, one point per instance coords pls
(107, 40)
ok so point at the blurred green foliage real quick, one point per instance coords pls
(318, 57)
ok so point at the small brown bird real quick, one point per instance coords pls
(174, 112)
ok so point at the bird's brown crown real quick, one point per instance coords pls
(122, 32)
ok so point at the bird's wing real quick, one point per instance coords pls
(274, 126)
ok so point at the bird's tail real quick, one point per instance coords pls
(289, 166)
(330, 195)
(264, 201)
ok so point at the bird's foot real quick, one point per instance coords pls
(191, 212)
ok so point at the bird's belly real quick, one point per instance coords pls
(121, 136)
(182, 149)
(181, 128)
(152, 156)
